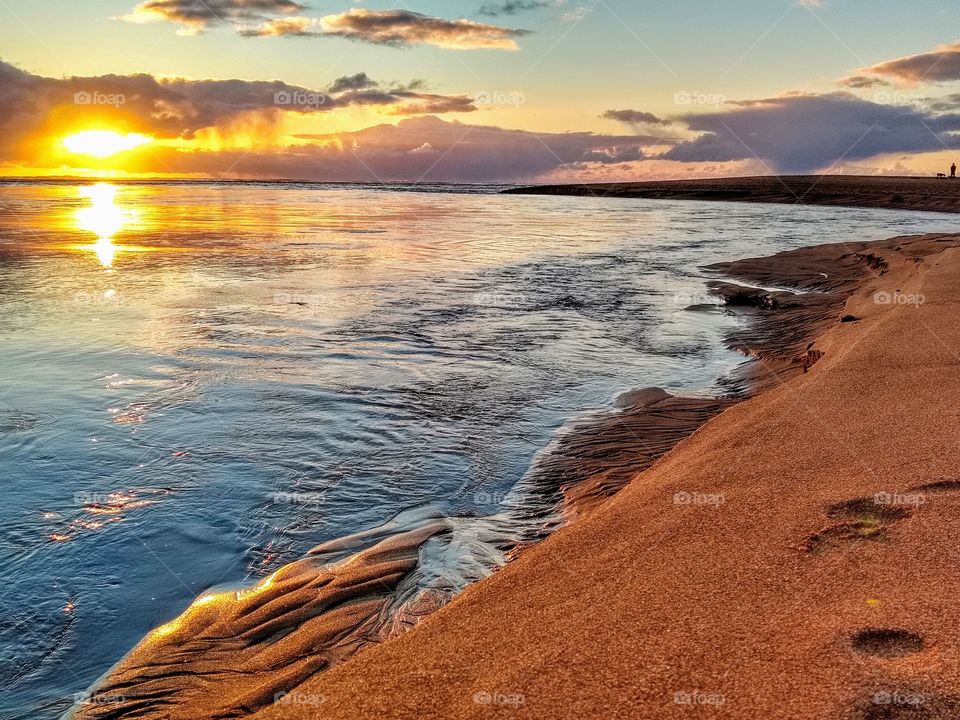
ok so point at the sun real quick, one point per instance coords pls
(103, 143)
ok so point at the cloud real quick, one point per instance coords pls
(183, 113)
(861, 82)
(407, 102)
(948, 103)
(806, 133)
(427, 104)
(286, 27)
(512, 7)
(940, 65)
(396, 28)
(634, 117)
(421, 149)
(164, 107)
(351, 82)
(197, 15)
(180, 108)
(791, 133)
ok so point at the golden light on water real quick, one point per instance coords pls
(106, 251)
(103, 143)
(104, 218)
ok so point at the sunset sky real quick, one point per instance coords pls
(477, 90)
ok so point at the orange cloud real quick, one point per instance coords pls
(942, 64)
(399, 28)
(195, 16)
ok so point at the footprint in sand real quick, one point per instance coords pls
(866, 518)
(945, 485)
(886, 642)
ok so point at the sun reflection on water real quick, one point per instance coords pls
(105, 219)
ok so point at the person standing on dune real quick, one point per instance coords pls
(953, 170)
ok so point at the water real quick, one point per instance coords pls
(199, 382)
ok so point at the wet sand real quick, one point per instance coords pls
(795, 558)
(739, 566)
(898, 193)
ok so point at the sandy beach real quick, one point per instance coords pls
(794, 558)
(899, 193)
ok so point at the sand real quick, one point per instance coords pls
(901, 193)
(795, 558)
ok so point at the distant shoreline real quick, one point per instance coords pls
(893, 193)
(890, 193)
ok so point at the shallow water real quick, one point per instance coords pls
(200, 382)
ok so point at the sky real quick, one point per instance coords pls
(478, 90)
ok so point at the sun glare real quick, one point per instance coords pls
(103, 143)
(103, 218)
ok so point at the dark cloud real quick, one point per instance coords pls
(197, 15)
(948, 103)
(397, 28)
(860, 82)
(614, 155)
(512, 7)
(407, 102)
(942, 64)
(634, 117)
(407, 99)
(805, 133)
(351, 82)
(427, 104)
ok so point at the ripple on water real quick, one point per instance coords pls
(21, 421)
